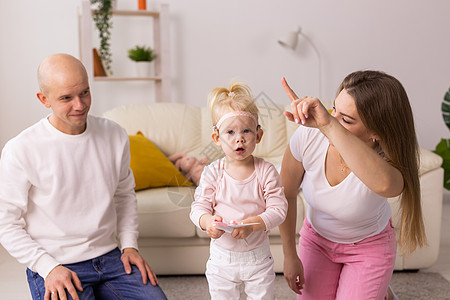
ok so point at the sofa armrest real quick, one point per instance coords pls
(429, 161)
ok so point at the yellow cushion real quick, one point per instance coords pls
(151, 168)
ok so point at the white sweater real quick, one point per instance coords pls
(63, 198)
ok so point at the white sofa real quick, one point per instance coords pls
(169, 240)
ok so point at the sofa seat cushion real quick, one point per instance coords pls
(164, 212)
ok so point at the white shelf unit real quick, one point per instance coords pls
(160, 45)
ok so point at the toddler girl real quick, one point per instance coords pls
(243, 189)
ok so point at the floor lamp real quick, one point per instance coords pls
(290, 39)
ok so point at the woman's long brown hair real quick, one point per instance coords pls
(384, 108)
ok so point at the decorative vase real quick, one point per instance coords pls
(142, 4)
(144, 68)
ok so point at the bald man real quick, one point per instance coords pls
(67, 200)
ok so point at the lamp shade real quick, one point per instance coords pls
(290, 39)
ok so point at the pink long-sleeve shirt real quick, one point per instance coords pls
(261, 194)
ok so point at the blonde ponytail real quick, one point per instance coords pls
(238, 97)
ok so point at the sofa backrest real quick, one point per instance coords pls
(181, 128)
(172, 127)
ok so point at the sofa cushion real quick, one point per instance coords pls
(151, 168)
(164, 212)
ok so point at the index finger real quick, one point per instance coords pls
(291, 94)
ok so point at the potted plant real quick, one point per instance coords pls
(443, 148)
(143, 56)
(102, 19)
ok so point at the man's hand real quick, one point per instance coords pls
(60, 279)
(131, 256)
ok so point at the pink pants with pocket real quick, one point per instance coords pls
(360, 270)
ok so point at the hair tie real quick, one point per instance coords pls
(231, 94)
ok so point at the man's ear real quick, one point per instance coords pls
(259, 135)
(215, 137)
(43, 99)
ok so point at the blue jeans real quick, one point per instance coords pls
(103, 277)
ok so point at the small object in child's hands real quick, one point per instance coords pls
(229, 227)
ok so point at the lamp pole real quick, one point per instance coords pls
(290, 40)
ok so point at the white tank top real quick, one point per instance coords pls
(344, 213)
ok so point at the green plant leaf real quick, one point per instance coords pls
(443, 150)
(102, 19)
(445, 108)
(446, 117)
(143, 53)
(447, 96)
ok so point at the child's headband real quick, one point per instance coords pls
(235, 114)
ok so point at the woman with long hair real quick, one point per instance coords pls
(348, 164)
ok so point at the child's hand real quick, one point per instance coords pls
(211, 229)
(243, 232)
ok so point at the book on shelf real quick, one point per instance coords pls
(99, 69)
(105, 68)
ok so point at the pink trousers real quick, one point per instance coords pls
(360, 270)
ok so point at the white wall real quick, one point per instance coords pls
(214, 41)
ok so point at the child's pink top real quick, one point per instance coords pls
(261, 194)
